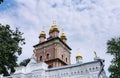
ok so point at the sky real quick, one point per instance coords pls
(88, 24)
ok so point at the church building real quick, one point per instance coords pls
(53, 50)
(51, 59)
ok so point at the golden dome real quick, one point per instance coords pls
(54, 27)
(42, 34)
(78, 56)
(51, 29)
(63, 36)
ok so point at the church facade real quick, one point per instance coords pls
(53, 50)
(51, 59)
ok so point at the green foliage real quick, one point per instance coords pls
(114, 50)
(25, 62)
(10, 47)
(1, 1)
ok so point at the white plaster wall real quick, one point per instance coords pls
(89, 70)
(85, 71)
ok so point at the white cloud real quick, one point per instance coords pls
(88, 24)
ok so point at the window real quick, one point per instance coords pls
(71, 73)
(40, 58)
(90, 69)
(74, 72)
(81, 71)
(47, 56)
(62, 56)
(66, 59)
(50, 66)
(96, 67)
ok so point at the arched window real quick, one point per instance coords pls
(40, 58)
(66, 59)
(62, 57)
(50, 66)
(47, 56)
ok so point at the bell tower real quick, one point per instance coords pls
(54, 50)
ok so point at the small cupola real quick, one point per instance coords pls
(79, 58)
(42, 36)
(63, 37)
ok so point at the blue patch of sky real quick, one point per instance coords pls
(65, 4)
(8, 4)
(80, 9)
(54, 5)
(15, 14)
(94, 1)
(77, 2)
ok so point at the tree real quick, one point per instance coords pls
(113, 47)
(25, 62)
(10, 48)
(1, 1)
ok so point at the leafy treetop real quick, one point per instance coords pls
(114, 50)
(10, 47)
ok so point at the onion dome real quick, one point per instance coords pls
(42, 34)
(79, 56)
(63, 36)
(51, 29)
(54, 27)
